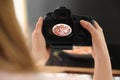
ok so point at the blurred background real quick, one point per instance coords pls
(106, 12)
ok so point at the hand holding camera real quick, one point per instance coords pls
(62, 32)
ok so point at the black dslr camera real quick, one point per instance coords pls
(62, 30)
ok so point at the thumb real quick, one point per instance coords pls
(87, 25)
(39, 24)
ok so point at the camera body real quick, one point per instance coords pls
(62, 30)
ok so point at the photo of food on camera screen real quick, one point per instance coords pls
(62, 30)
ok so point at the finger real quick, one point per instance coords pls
(87, 25)
(39, 24)
(96, 25)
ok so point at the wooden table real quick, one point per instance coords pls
(59, 69)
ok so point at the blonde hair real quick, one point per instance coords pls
(14, 53)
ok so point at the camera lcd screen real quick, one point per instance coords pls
(61, 30)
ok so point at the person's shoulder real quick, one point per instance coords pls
(43, 76)
(4, 75)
